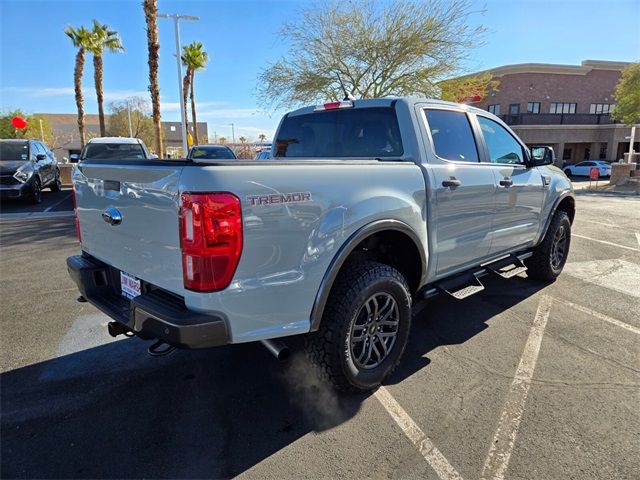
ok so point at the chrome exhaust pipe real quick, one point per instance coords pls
(277, 348)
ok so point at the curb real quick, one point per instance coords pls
(607, 194)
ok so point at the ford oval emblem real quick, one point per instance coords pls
(112, 216)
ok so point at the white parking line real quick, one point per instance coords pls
(605, 242)
(15, 216)
(431, 454)
(599, 315)
(57, 203)
(504, 439)
(638, 237)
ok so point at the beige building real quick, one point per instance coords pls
(66, 139)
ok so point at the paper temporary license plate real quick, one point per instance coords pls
(129, 285)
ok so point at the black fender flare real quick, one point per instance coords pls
(345, 250)
(556, 203)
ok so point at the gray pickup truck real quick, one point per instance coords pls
(364, 207)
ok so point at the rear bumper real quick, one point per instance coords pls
(156, 314)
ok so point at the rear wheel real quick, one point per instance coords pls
(550, 256)
(56, 185)
(567, 172)
(36, 191)
(365, 326)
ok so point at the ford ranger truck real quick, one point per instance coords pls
(363, 207)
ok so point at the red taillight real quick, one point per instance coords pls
(210, 239)
(75, 215)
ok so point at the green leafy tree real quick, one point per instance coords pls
(194, 58)
(153, 46)
(375, 49)
(141, 120)
(627, 95)
(103, 40)
(82, 39)
(461, 88)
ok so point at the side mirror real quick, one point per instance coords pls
(542, 156)
(74, 157)
(153, 156)
(41, 156)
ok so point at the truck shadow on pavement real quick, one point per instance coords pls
(112, 411)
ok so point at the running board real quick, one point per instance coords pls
(465, 284)
(461, 286)
(507, 267)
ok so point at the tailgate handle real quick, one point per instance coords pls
(112, 216)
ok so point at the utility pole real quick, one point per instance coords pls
(233, 134)
(129, 115)
(42, 130)
(631, 142)
(176, 19)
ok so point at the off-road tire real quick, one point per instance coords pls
(36, 191)
(540, 265)
(56, 185)
(330, 347)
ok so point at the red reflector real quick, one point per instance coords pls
(210, 239)
(75, 214)
(334, 105)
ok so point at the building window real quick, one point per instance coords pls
(603, 152)
(566, 154)
(533, 107)
(495, 109)
(599, 108)
(173, 128)
(514, 109)
(562, 108)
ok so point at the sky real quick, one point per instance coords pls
(37, 59)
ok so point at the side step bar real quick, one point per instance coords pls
(468, 283)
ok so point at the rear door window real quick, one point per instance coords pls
(452, 136)
(343, 133)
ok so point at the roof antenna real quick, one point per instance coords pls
(347, 95)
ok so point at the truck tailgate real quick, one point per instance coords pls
(146, 242)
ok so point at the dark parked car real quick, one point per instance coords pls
(211, 152)
(26, 167)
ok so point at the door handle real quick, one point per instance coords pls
(506, 182)
(451, 182)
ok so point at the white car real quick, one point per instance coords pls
(583, 169)
(109, 148)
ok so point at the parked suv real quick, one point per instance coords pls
(364, 207)
(26, 167)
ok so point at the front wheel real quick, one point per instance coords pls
(365, 326)
(36, 191)
(550, 256)
(56, 185)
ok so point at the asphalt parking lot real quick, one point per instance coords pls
(524, 380)
(51, 202)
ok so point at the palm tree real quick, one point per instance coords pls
(103, 39)
(262, 137)
(150, 14)
(194, 58)
(82, 39)
(222, 140)
(242, 140)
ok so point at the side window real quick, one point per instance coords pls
(452, 135)
(35, 149)
(503, 148)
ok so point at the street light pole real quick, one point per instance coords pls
(176, 19)
(233, 134)
(129, 115)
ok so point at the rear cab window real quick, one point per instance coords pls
(366, 132)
